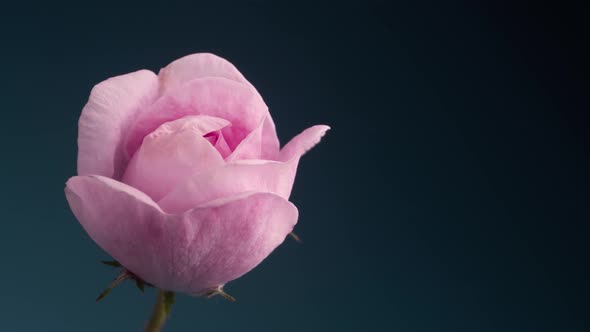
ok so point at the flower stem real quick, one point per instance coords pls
(161, 311)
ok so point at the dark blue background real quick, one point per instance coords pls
(451, 194)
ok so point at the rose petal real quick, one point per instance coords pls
(244, 176)
(172, 153)
(217, 97)
(261, 143)
(238, 177)
(270, 140)
(106, 117)
(303, 142)
(220, 144)
(201, 249)
(233, 235)
(250, 147)
(128, 225)
(201, 65)
(195, 66)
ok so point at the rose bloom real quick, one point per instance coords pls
(181, 177)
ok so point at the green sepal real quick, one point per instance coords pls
(119, 279)
(112, 263)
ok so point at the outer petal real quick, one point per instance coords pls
(172, 153)
(234, 235)
(303, 142)
(106, 117)
(195, 66)
(218, 97)
(129, 226)
(203, 248)
(231, 179)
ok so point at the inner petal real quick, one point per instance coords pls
(212, 137)
(174, 152)
(217, 139)
(238, 103)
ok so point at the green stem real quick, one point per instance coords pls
(161, 311)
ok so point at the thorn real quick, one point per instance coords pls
(295, 237)
(119, 279)
(140, 284)
(219, 291)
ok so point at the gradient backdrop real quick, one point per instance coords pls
(451, 194)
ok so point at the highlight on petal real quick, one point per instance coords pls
(201, 249)
(174, 152)
(270, 140)
(113, 103)
(231, 179)
(218, 97)
(303, 142)
(195, 66)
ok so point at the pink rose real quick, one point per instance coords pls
(180, 174)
